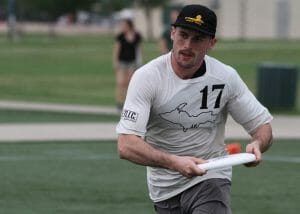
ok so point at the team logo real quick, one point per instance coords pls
(185, 120)
(198, 20)
(129, 115)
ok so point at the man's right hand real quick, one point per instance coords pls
(135, 149)
(187, 166)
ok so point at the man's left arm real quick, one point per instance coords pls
(262, 139)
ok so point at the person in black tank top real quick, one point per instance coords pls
(126, 58)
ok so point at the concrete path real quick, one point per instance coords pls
(283, 126)
(57, 131)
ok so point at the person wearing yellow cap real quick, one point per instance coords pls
(174, 118)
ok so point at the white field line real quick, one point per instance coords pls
(282, 159)
(57, 158)
(76, 157)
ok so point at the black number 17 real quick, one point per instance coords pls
(204, 92)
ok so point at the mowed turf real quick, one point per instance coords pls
(27, 116)
(88, 177)
(78, 69)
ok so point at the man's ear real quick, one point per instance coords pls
(173, 30)
(212, 43)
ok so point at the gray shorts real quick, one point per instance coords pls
(211, 196)
(125, 66)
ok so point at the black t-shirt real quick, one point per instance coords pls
(128, 49)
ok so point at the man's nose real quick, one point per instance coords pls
(188, 43)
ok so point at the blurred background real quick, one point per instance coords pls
(63, 41)
(57, 101)
(238, 19)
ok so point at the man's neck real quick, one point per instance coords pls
(184, 73)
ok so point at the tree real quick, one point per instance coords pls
(148, 5)
(109, 6)
(49, 10)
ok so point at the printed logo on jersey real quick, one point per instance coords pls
(179, 116)
(129, 115)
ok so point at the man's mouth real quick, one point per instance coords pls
(186, 54)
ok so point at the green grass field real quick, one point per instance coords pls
(88, 177)
(78, 69)
(25, 116)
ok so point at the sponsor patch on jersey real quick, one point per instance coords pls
(129, 115)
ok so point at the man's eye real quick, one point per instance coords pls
(198, 39)
(183, 35)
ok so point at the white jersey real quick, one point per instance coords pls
(187, 117)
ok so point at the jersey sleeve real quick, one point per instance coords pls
(244, 107)
(136, 111)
